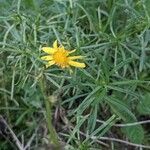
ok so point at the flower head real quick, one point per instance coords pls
(60, 56)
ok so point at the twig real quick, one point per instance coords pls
(30, 141)
(113, 139)
(5, 137)
(127, 124)
(18, 143)
(125, 142)
(93, 138)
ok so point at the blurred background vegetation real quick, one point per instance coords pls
(99, 107)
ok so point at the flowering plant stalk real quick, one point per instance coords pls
(53, 137)
(56, 55)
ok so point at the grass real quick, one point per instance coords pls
(104, 106)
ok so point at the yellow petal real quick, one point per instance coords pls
(72, 51)
(46, 57)
(50, 63)
(75, 57)
(55, 45)
(76, 64)
(49, 50)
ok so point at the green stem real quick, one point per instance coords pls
(52, 133)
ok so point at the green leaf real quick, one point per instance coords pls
(87, 101)
(134, 133)
(92, 119)
(101, 130)
(121, 109)
(144, 105)
(80, 121)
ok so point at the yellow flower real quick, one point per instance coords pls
(60, 57)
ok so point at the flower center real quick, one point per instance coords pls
(60, 57)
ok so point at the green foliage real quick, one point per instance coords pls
(144, 105)
(134, 133)
(114, 87)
